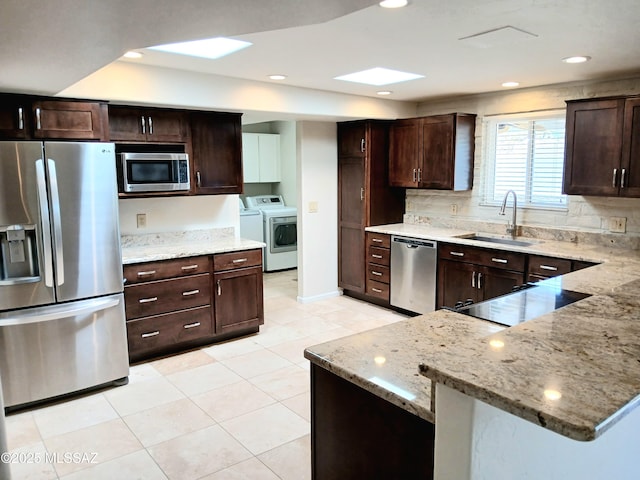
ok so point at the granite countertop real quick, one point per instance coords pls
(168, 245)
(588, 352)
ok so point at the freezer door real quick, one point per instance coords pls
(26, 274)
(54, 350)
(84, 217)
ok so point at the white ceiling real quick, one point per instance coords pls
(47, 46)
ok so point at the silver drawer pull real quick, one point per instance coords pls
(147, 273)
(377, 240)
(240, 260)
(190, 292)
(499, 260)
(376, 256)
(148, 300)
(152, 334)
(457, 254)
(192, 325)
(377, 290)
(189, 267)
(373, 272)
(548, 267)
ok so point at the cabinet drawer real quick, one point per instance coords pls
(165, 296)
(161, 332)
(480, 256)
(380, 256)
(548, 266)
(378, 240)
(378, 290)
(244, 258)
(378, 273)
(145, 272)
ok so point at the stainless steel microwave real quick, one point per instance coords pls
(154, 172)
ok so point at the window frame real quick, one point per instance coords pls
(490, 123)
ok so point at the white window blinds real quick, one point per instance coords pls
(526, 154)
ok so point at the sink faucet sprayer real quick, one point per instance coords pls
(512, 228)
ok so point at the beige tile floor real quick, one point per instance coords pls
(236, 410)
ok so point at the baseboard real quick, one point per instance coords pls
(315, 298)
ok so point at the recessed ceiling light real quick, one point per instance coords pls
(393, 3)
(277, 77)
(384, 92)
(379, 76)
(510, 84)
(132, 54)
(210, 48)
(578, 59)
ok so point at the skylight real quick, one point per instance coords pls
(379, 76)
(210, 48)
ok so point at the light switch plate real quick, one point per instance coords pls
(618, 224)
(141, 220)
(313, 207)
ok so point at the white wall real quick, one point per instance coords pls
(584, 213)
(475, 441)
(170, 214)
(288, 186)
(317, 232)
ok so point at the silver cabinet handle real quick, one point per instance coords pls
(219, 288)
(38, 119)
(20, 119)
(151, 334)
(148, 300)
(240, 260)
(415, 175)
(144, 125)
(377, 290)
(622, 177)
(191, 325)
(361, 193)
(376, 256)
(189, 267)
(150, 125)
(548, 267)
(377, 274)
(190, 292)
(146, 273)
(479, 280)
(457, 254)
(473, 280)
(615, 176)
(362, 145)
(419, 175)
(376, 240)
(499, 260)
(198, 180)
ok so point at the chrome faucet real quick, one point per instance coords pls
(512, 227)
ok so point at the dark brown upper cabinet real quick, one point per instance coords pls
(434, 152)
(602, 154)
(132, 124)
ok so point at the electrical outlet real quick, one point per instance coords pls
(313, 207)
(618, 224)
(141, 220)
(454, 209)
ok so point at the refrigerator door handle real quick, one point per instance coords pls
(57, 229)
(51, 314)
(44, 218)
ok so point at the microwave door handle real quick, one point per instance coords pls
(57, 227)
(43, 203)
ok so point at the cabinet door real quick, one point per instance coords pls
(166, 126)
(269, 149)
(250, 158)
(437, 166)
(593, 147)
(14, 117)
(216, 141)
(127, 124)
(404, 153)
(67, 120)
(457, 282)
(351, 256)
(630, 180)
(494, 282)
(351, 139)
(238, 299)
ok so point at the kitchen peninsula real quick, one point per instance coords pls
(551, 398)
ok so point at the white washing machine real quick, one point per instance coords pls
(280, 227)
(251, 223)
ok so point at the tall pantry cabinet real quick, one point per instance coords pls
(364, 195)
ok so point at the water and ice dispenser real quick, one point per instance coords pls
(18, 253)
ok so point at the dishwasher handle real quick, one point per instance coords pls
(413, 242)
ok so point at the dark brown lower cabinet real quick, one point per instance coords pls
(356, 435)
(238, 299)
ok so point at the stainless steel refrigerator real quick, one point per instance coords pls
(62, 322)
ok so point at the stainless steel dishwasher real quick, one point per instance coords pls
(413, 274)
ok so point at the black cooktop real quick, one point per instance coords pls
(529, 302)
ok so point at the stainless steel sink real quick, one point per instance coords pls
(504, 241)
